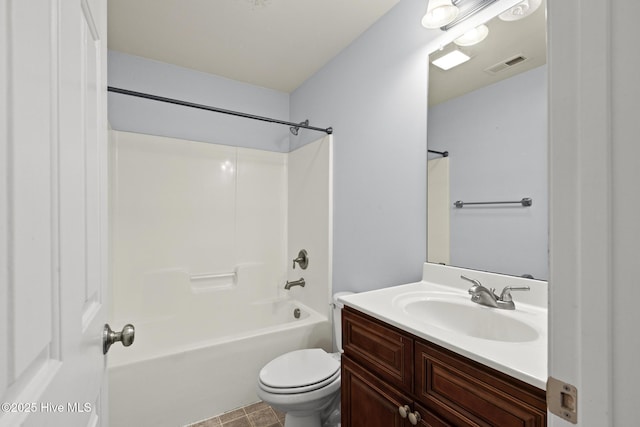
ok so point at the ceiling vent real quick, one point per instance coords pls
(506, 64)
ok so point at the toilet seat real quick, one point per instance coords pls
(299, 371)
(302, 389)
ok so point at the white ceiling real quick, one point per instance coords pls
(276, 44)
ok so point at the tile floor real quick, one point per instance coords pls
(255, 415)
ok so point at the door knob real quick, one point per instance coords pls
(126, 336)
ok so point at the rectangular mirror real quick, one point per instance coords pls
(489, 114)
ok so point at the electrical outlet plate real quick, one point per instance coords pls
(562, 400)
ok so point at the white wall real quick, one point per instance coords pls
(132, 114)
(374, 95)
(497, 142)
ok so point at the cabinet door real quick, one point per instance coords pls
(465, 393)
(379, 348)
(368, 402)
(429, 419)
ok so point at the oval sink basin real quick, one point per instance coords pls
(468, 318)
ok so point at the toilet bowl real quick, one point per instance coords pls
(305, 384)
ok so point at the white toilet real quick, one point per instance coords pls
(305, 384)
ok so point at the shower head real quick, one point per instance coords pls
(294, 129)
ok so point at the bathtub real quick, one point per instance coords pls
(173, 375)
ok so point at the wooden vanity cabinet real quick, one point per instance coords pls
(367, 401)
(384, 368)
(465, 392)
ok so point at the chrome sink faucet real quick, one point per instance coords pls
(485, 296)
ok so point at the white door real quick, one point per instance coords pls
(594, 285)
(53, 212)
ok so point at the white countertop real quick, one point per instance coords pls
(526, 361)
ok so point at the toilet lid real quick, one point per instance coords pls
(299, 368)
(328, 383)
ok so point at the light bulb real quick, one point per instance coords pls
(439, 13)
(473, 36)
(521, 10)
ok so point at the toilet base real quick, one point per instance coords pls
(293, 420)
(328, 416)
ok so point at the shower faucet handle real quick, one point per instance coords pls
(302, 260)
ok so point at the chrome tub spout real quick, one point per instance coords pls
(290, 285)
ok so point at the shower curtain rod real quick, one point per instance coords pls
(292, 125)
(442, 153)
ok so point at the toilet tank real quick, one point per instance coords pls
(337, 319)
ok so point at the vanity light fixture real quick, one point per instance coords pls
(473, 36)
(439, 13)
(521, 10)
(451, 60)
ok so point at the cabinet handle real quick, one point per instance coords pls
(415, 418)
(404, 411)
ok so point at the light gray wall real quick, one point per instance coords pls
(497, 142)
(131, 114)
(374, 94)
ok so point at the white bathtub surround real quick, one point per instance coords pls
(199, 262)
(524, 357)
(438, 207)
(310, 215)
(184, 211)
